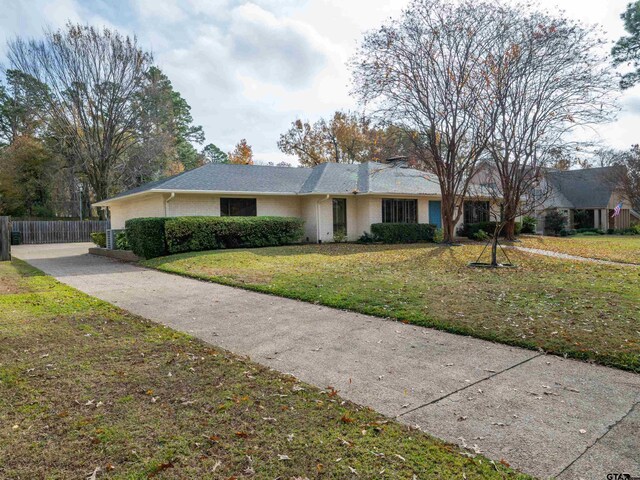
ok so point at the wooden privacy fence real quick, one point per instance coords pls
(58, 231)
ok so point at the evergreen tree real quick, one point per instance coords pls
(627, 49)
(212, 154)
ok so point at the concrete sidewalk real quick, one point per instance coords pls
(544, 415)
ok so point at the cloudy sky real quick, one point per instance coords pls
(249, 68)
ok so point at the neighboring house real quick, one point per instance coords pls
(588, 198)
(334, 199)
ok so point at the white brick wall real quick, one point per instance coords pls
(362, 211)
(423, 210)
(192, 205)
(369, 210)
(138, 207)
(325, 208)
(308, 212)
(276, 206)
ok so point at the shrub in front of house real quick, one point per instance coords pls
(100, 239)
(634, 230)
(481, 236)
(554, 222)
(192, 234)
(470, 230)
(438, 235)
(366, 238)
(146, 236)
(403, 232)
(596, 231)
(122, 243)
(529, 224)
(155, 237)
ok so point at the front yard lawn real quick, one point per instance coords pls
(84, 385)
(617, 248)
(577, 309)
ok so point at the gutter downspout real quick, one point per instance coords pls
(318, 217)
(166, 202)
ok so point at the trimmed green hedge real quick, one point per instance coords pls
(155, 237)
(470, 230)
(146, 236)
(634, 230)
(192, 234)
(590, 230)
(403, 232)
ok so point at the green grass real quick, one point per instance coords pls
(85, 385)
(578, 309)
(617, 248)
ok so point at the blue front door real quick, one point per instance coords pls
(435, 216)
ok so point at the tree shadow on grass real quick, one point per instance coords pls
(326, 249)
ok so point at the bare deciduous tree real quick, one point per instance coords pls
(93, 78)
(546, 75)
(527, 177)
(423, 72)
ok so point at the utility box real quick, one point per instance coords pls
(16, 238)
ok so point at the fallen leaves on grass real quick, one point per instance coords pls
(346, 419)
(160, 468)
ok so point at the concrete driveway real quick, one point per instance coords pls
(544, 415)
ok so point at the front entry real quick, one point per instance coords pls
(340, 218)
(435, 214)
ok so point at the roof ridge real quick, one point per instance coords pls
(258, 165)
(584, 170)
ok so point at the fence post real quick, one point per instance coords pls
(5, 239)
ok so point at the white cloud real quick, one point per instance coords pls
(211, 8)
(168, 11)
(276, 49)
(249, 74)
(31, 18)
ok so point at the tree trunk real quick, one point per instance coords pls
(509, 217)
(494, 251)
(447, 209)
(510, 230)
(101, 189)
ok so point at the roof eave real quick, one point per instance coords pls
(108, 201)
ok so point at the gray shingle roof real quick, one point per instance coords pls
(333, 178)
(231, 178)
(327, 178)
(587, 188)
(382, 178)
